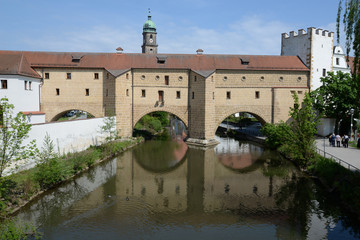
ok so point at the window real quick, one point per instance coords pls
(4, 84)
(47, 75)
(292, 92)
(193, 95)
(228, 95)
(127, 76)
(161, 96)
(127, 92)
(68, 75)
(25, 85)
(300, 92)
(337, 61)
(107, 75)
(324, 72)
(96, 75)
(87, 92)
(178, 94)
(257, 94)
(213, 95)
(57, 92)
(194, 78)
(107, 92)
(30, 85)
(166, 80)
(143, 93)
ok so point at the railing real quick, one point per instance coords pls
(338, 160)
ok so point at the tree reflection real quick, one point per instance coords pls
(296, 198)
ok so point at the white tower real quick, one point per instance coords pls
(315, 49)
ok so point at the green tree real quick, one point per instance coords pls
(336, 96)
(349, 12)
(109, 128)
(13, 131)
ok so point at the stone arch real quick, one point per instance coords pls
(54, 116)
(182, 117)
(261, 116)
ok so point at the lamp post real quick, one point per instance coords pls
(351, 129)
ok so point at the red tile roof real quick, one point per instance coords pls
(16, 64)
(197, 62)
(33, 113)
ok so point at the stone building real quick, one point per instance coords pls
(201, 89)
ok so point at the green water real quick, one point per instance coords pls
(165, 190)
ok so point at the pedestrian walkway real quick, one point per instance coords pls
(349, 155)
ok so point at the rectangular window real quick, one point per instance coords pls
(213, 95)
(47, 75)
(324, 72)
(178, 94)
(143, 93)
(166, 80)
(68, 75)
(96, 75)
(87, 92)
(161, 96)
(193, 95)
(57, 92)
(194, 78)
(127, 76)
(107, 75)
(127, 92)
(228, 95)
(30, 85)
(4, 84)
(257, 94)
(337, 61)
(107, 92)
(25, 85)
(300, 92)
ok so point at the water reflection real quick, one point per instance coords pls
(163, 190)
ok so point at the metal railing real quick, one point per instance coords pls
(338, 160)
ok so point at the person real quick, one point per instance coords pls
(338, 140)
(358, 142)
(346, 138)
(333, 140)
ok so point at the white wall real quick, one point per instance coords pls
(68, 136)
(343, 65)
(23, 100)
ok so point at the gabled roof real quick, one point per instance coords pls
(205, 62)
(117, 72)
(16, 64)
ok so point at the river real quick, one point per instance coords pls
(166, 190)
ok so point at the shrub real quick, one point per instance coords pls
(17, 230)
(275, 134)
(50, 173)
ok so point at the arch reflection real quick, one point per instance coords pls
(161, 156)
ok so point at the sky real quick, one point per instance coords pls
(183, 26)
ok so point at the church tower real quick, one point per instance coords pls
(149, 36)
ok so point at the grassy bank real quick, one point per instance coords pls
(342, 182)
(19, 189)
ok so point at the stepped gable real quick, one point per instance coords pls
(14, 63)
(204, 62)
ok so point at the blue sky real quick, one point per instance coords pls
(227, 26)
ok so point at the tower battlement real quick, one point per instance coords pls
(302, 32)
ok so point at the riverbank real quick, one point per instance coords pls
(19, 189)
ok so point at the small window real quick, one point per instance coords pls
(212, 78)
(4, 84)
(262, 78)
(193, 95)
(127, 92)
(47, 75)
(213, 95)
(337, 61)
(96, 75)
(292, 92)
(107, 75)
(299, 79)
(178, 94)
(142, 77)
(107, 92)
(243, 78)
(300, 92)
(195, 78)
(25, 85)
(225, 78)
(257, 94)
(127, 76)
(57, 92)
(143, 93)
(166, 80)
(30, 85)
(228, 95)
(281, 79)
(324, 72)
(87, 92)
(68, 75)
(180, 78)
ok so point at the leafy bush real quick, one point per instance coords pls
(51, 173)
(275, 134)
(79, 161)
(17, 230)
